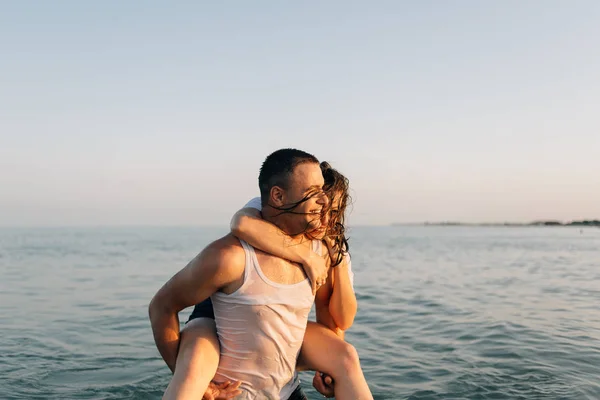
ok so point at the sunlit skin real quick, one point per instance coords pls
(321, 231)
(315, 214)
(301, 199)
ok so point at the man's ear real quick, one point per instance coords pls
(277, 195)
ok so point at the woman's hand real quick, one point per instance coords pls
(315, 267)
(323, 384)
(222, 391)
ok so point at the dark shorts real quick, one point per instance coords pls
(298, 394)
(203, 310)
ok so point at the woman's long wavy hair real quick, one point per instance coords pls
(336, 185)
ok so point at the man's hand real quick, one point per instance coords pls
(324, 384)
(315, 267)
(222, 391)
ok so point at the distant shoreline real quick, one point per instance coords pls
(581, 223)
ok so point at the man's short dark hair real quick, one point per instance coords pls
(277, 169)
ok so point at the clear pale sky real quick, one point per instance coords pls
(160, 113)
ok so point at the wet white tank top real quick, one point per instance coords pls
(261, 327)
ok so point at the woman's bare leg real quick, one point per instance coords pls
(197, 361)
(322, 350)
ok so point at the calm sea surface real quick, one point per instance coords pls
(444, 312)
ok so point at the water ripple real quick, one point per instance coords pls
(444, 313)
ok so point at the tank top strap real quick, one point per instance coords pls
(250, 267)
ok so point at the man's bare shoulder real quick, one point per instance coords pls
(226, 260)
(226, 252)
(228, 246)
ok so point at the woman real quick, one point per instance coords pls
(323, 348)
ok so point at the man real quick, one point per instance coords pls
(261, 302)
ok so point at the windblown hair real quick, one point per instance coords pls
(337, 184)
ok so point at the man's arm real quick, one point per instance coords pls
(215, 267)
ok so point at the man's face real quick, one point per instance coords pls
(305, 188)
(331, 213)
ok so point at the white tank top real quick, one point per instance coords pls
(261, 327)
